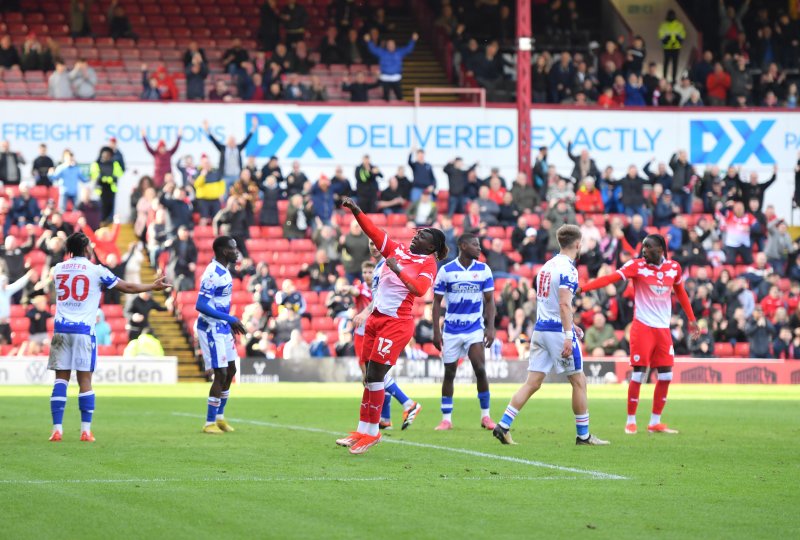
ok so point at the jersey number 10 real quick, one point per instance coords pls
(78, 288)
(543, 287)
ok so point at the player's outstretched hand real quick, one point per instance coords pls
(359, 319)
(350, 204)
(694, 330)
(437, 341)
(161, 284)
(566, 350)
(238, 328)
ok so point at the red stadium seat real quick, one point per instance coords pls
(724, 349)
(742, 350)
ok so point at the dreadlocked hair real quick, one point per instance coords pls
(77, 243)
(660, 239)
(439, 244)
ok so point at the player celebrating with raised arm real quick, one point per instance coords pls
(654, 277)
(371, 274)
(408, 273)
(554, 342)
(79, 284)
(215, 329)
(468, 286)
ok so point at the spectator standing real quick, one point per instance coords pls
(119, 26)
(269, 25)
(584, 164)
(9, 56)
(296, 225)
(760, 333)
(233, 57)
(322, 203)
(423, 174)
(272, 193)
(717, 85)
(41, 166)
(367, 176)
(105, 174)
(59, 84)
(524, 195)
(83, 79)
(779, 245)
(294, 18)
(359, 90)
(230, 154)
(296, 180)
(755, 190)
(457, 180)
(182, 261)
(390, 60)
(355, 250)
(209, 190)
(672, 34)
(737, 225)
(633, 193)
(139, 312)
(232, 221)
(10, 171)
(162, 157)
(196, 75)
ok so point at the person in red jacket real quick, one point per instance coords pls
(162, 157)
(717, 85)
(407, 274)
(588, 199)
(104, 240)
(166, 84)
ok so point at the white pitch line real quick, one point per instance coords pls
(594, 474)
(264, 479)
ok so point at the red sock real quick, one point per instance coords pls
(633, 396)
(660, 396)
(376, 404)
(364, 413)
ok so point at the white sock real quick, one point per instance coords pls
(447, 416)
(485, 413)
(58, 427)
(655, 419)
(386, 420)
(408, 404)
(631, 418)
(86, 426)
(363, 427)
(220, 417)
(209, 423)
(373, 429)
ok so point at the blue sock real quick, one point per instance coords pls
(386, 411)
(447, 407)
(508, 416)
(58, 401)
(394, 390)
(484, 399)
(86, 405)
(582, 425)
(213, 406)
(223, 401)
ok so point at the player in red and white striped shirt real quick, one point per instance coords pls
(736, 225)
(408, 273)
(654, 278)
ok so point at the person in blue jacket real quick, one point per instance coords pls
(390, 60)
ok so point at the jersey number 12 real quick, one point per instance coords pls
(78, 288)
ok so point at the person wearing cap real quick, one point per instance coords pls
(162, 156)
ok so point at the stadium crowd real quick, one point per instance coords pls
(751, 61)
(742, 266)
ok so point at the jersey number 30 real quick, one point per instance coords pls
(77, 289)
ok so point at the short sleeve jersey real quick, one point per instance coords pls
(652, 286)
(463, 290)
(557, 273)
(79, 284)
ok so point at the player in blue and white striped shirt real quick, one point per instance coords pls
(468, 287)
(215, 330)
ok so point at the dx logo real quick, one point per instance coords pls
(271, 135)
(709, 141)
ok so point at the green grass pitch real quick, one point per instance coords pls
(732, 472)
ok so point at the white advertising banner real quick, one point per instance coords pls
(109, 370)
(324, 136)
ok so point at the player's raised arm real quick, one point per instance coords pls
(378, 236)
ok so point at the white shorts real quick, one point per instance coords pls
(218, 349)
(455, 346)
(546, 354)
(74, 352)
